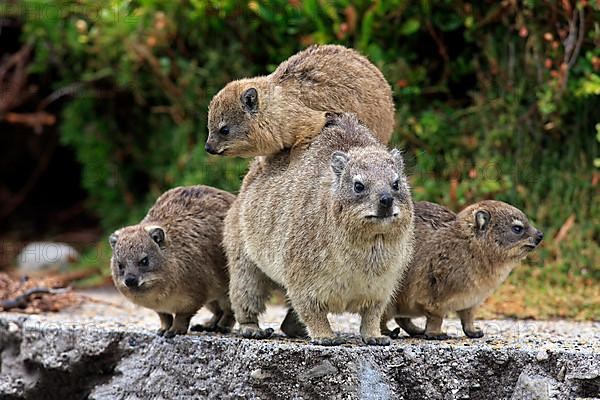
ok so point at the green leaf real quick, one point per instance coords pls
(409, 27)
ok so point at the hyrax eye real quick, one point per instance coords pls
(224, 130)
(396, 185)
(121, 267)
(144, 262)
(518, 229)
(358, 187)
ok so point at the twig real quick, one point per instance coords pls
(572, 50)
(34, 120)
(564, 229)
(493, 14)
(443, 52)
(144, 53)
(68, 90)
(11, 86)
(21, 300)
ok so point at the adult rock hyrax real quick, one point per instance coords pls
(173, 261)
(332, 225)
(459, 260)
(263, 115)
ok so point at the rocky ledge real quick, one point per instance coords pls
(101, 351)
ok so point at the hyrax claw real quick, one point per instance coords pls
(377, 340)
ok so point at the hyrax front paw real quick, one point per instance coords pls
(209, 328)
(377, 340)
(161, 332)
(474, 334)
(174, 332)
(392, 334)
(327, 341)
(255, 332)
(434, 336)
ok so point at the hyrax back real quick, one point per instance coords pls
(263, 115)
(332, 225)
(173, 262)
(459, 260)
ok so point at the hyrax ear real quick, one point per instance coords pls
(113, 238)
(249, 100)
(158, 235)
(398, 159)
(339, 160)
(482, 219)
(331, 118)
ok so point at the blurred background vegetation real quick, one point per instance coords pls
(103, 106)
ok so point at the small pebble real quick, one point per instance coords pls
(319, 370)
(542, 355)
(260, 375)
(561, 374)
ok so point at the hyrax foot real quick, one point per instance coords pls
(174, 332)
(474, 334)
(252, 331)
(327, 341)
(409, 327)
(377, 340)
(181, 322)
(293, 327)
(434, 336)
(392, 334)
(166, 321)
(210, 328)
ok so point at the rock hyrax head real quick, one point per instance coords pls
(138, 258)
(231, 116)
(503, 226)
(370, 188)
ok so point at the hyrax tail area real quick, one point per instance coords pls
(459, 260)
(263, 115)
(332, 225)
(173, 261)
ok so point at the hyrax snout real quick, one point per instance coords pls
(173, 262)
(459, 260)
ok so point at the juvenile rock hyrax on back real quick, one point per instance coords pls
(173, 261)
(459, 260)
(263, 115)
(331, 224)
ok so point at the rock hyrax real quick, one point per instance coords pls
(173, 262)
(459, 260)
(266, 114)
(332, 225)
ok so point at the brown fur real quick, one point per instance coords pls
(292, 102)
(459, 260)
(298, 224)
(186, 265)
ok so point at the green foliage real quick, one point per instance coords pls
(494, 100)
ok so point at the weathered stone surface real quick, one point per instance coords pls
(90, 355)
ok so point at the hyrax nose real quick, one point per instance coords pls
(539, 235)
(386, 200)
(131, 282)
(209, 149)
